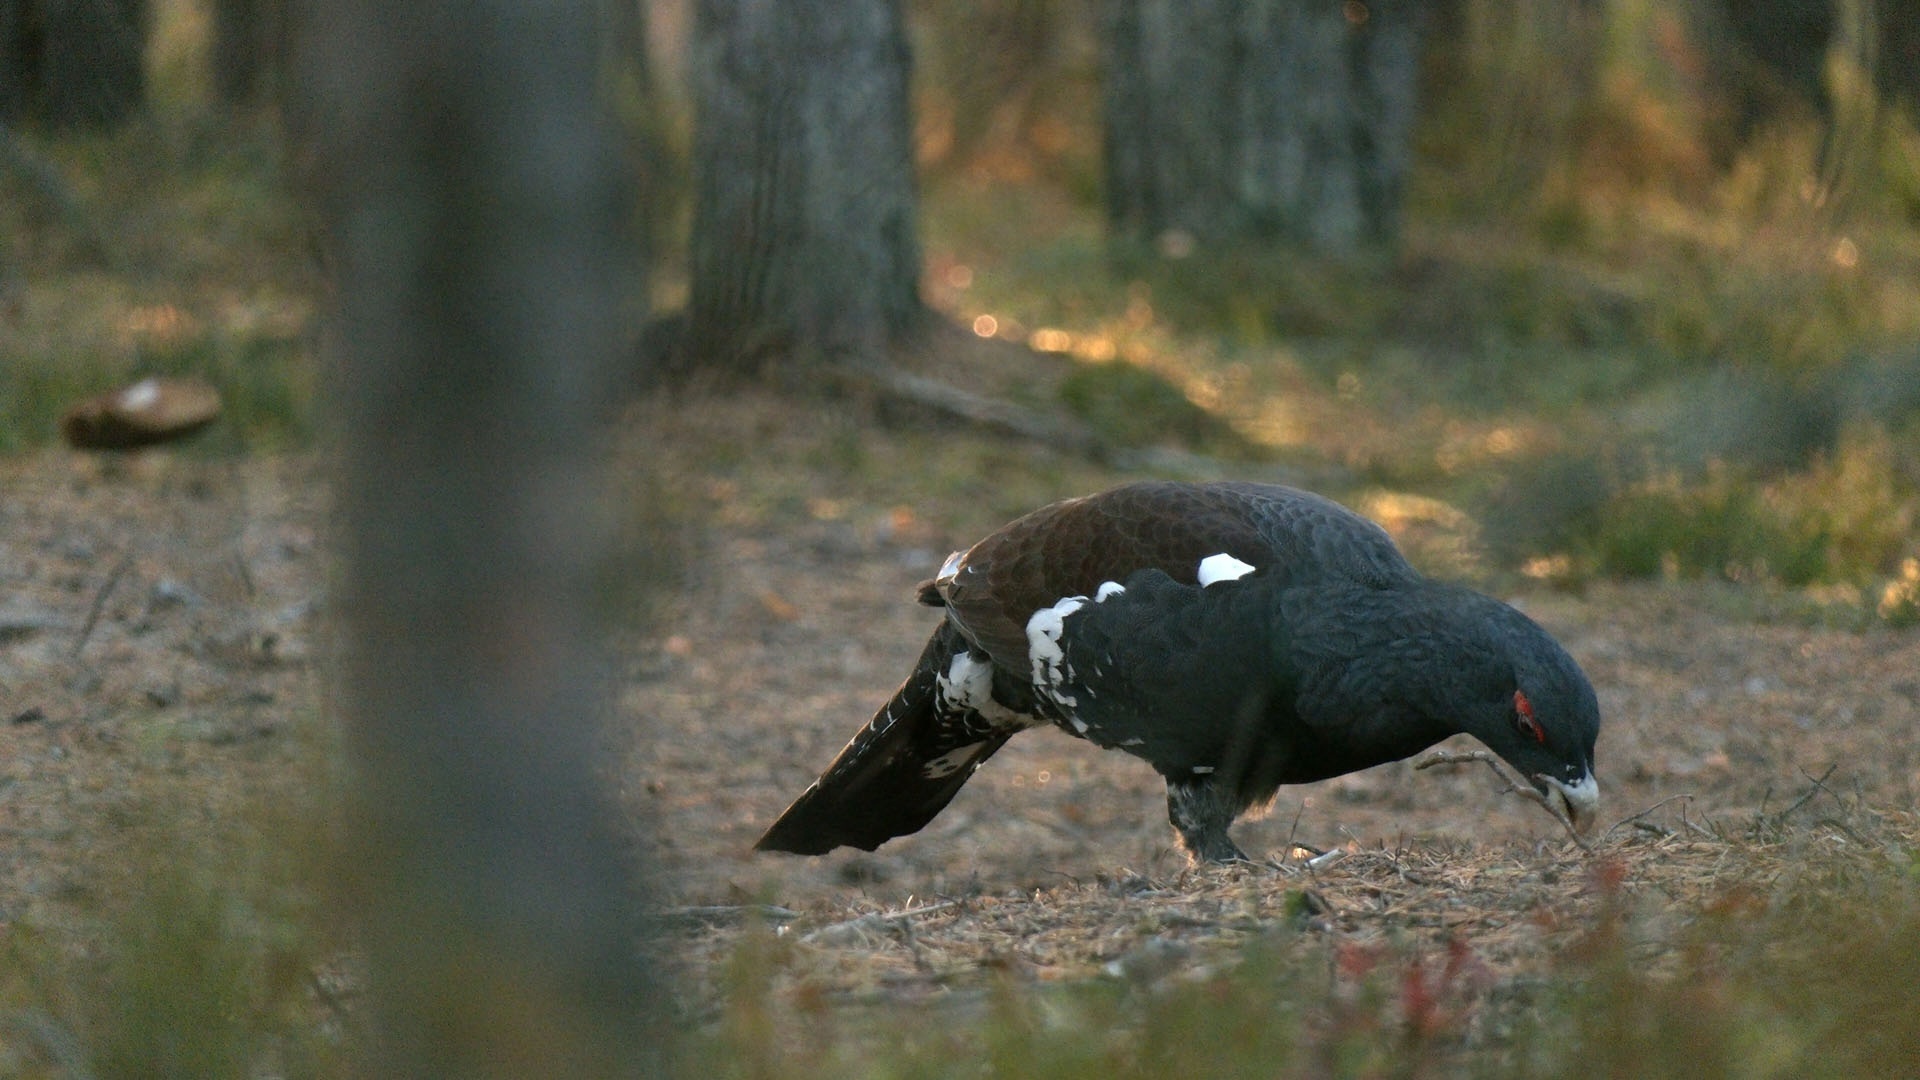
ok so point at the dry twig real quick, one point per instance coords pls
(728, 914)
(1450, 757)
(1636, 817)
(841, 932)
(1518, 787)
(100, 603)
(1819, 786)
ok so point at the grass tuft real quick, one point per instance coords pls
(1129, 406)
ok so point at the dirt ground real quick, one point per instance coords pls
(161, 676)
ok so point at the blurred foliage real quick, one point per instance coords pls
(1899, 602)
(1728, 476)
(1807, 978)
(1639, 328)
(170, 247)
(1008, 88)
(1130, 406)
(204, 949)
(1654, 314)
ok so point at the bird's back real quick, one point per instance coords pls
(1071, 548)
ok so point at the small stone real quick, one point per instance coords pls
(153, 410)
(19, 624)
(168, 593)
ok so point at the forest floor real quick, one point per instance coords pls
(162, 702)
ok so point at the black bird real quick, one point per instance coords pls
(1234, 636)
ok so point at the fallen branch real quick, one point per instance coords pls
(1057, 431)
(728, 914)
(1513, 784)
(1325, 858)
(842, 932)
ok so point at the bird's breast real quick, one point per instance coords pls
(1174, 673)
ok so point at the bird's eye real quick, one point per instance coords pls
(1524, 719)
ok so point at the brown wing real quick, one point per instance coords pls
(1070, 548)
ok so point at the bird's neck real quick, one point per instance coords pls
(1394, 665)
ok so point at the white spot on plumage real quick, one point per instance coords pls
(1202, 770)
(1079, 725)
(1108, 590)
(951, 567)
(1047, 621)
(1222, 567)
(1135, 741)
(1044, 628)
(968, 685)
(950, 762)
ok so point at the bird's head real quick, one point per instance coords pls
(1396, 670)
(1543, 717)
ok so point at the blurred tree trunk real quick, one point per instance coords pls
(1786, 43)
(1230, 121)
(248, 49)
(643, 115)
(804, 230)
(1898, 70)
(473, 211)
(72, 63)
(998, 60)
(18, 58)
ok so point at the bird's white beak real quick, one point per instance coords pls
(1580, 800)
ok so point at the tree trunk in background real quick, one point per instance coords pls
(1234, 121)
(804, 223)
(17, 59)
(248, 49)
(473, 212)
(1785, 45)
(1897, 71)
(998, 60)
(643, 115)
(72, 63)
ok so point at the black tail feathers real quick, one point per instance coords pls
(896, 773)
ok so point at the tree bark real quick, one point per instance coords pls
(72, 63)
(1782, 51)
(18, 58)
(248, 50)
(804, 224)
(1235, 121)
(473, 214)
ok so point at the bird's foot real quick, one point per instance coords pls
(1213, 849)
(1200, 816)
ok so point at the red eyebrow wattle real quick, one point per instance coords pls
(1525, 709)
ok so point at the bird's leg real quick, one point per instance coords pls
(1201, 812)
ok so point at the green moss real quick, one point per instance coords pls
(1129, 406)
